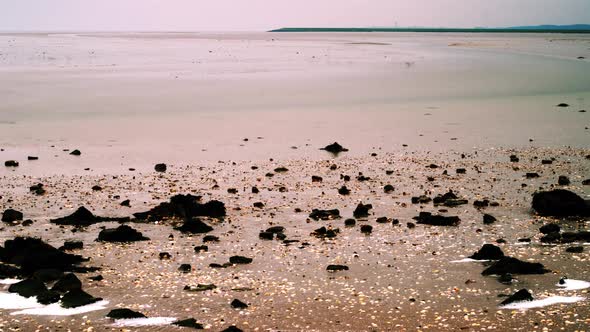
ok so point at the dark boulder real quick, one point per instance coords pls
(160, 168)
(122, 233)
(194, 226)
(201, 248)
(76, 152)
(240, 260)
(388, 188)
(362, 210)
(67, 283)
(563, 180)
(48, 297)
(315, 178)
(238, 304)
(349, 222)
(189, 322)
(185, 268)
(343, 190)
(324, 214)
(28, 288)
(514, 266)
(266, 235)
(488, 219)
(560, 203)
(366, 229)
(11, 163)
(276, 229)
(232, 328)
(83, 217)
(124, 313)
(553, 237)
(77, 298)
(520, 296)
(488, 252)
(210, 238)
(325, 233)
(72, 245)
(11, 215)
(550, 228)
(183, 207)
(514, 158)
(440, 199)
(437, 220)
(334, 268)
(334, 148)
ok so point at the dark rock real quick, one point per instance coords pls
(48, 297)
(421, 199)
(525, 240)
(220, 266)
(33, 254)
(481, 204)
(388, 188)
(586, 182)
(281, 170)
(254, 191)
(514, 266)
(349, 222)
(410, 225)
(439, 199)
(37, 189)
(124, 313)
(258, 205)
(164, 255)
(569, 237)
(210, 238)
(514, 158)
(76, 152)
(550, 228)
(437, 220)
(32, 158)
(276, 229)
(67, 283)
(200, 288)
(183, 207)
(324, 232)
(563, 180)
(461, 170)
(489, 219)
(575, 250)
(97, 278)
(77, 298)
(189, 322)
(47, 275)
(122, 233)
(232, 191)
(194, 226)
(126, 203)
(559, 203)
(281, 236)
(335, 148)
(563, 105)
(240, 260)
(343, 190)
(334, 268)
(455, 202)
(315, 178)
(505, 278)
(546, 162)
(366, 229)
(232, 328)
(185, 268)
(9, 272)
(520, 296)
(266, 235)
(532, 175)
(11, 215)
(362, 210)
(363, 178)
(238, 304)
(11, 163)
(488, 252)
(28, 288)
(160, 168)
(382, 220)
(83, 217)
(324, 214)
(552, 237)
(72, 245)
(97, 188)
(201, 248)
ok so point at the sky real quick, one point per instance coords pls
(261, 15)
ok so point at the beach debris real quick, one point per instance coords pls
(11, 215)
(514, 266)
(123, 233)
(334, 148)
(200, 287)
(161, 168)
(336, 267)
(83, 217)
(124, 313)
(317, 214)
(560, 203)
(11, 163)
(362, 210)
(428, 218)
(563, 105)
(520, 296)
(181, 207)
(325, 233)
(240, 260)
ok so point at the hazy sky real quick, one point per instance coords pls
(226, 15)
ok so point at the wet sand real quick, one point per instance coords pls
(399, 278)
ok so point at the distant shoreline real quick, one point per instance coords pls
(438, 30)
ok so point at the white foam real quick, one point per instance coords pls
(56, 310)
(15, 301)
(571, 284)
(524, 305)
(467, 260)
(151, 321)
(9, 281)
